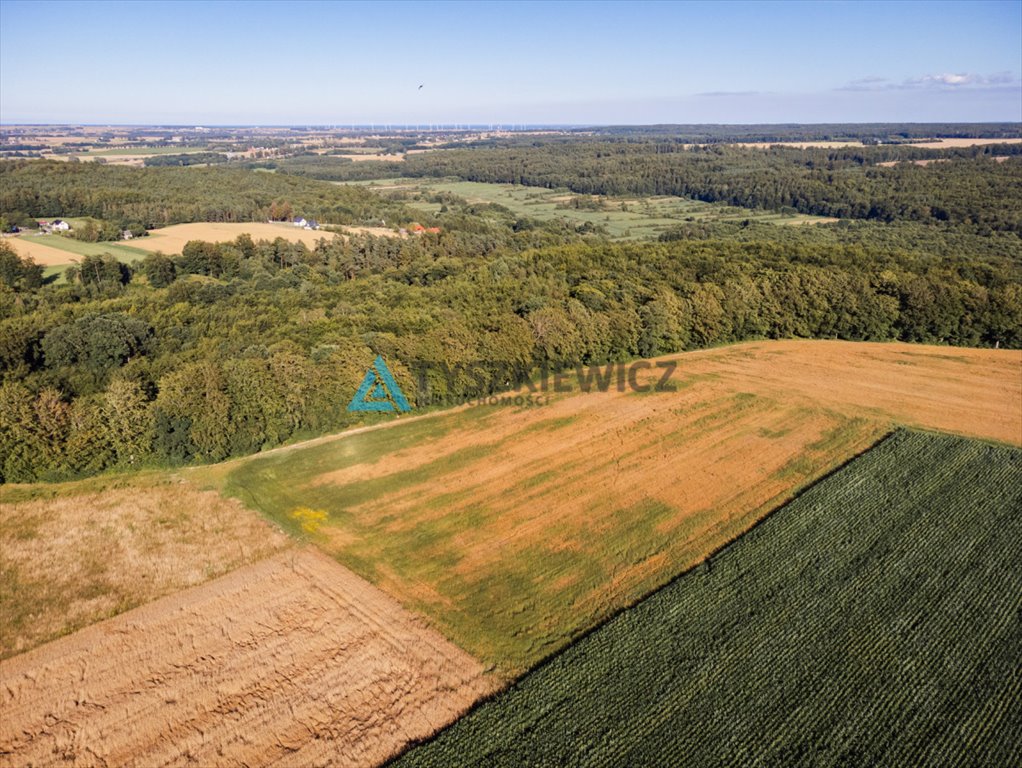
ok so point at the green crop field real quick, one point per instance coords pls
(80, 248)
(875, 620)
(143, 151)
(622, 217)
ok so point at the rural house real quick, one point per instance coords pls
(299, 222)
(418, 229)
(57, 225)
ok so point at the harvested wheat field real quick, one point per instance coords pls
(948, 143)
(291, 661)
(36, 249)
(363, 157)
(515, 529)
(169, 240)
(172, 239)
(928, 144)
(920, 163)
(95, 549)
(374, 231)
(798, 144)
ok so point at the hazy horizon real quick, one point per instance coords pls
(274, 64)
(505, 127)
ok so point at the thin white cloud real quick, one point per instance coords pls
(730, 93)
(940, 80)
(872, 80)
(948, 78)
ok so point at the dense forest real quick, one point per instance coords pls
(226, 349)
(188, 158)
(889, 132)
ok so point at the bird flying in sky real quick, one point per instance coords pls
(420, 87)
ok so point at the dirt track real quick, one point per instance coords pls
(291, 661)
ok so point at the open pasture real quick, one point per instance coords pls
(622, 217)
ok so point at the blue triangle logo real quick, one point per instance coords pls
(379, 393)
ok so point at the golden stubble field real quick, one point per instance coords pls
(80, 552)
(292, 661)
(169, 240)
(37, 250)
(930, 144)
(515, 529)
(173, 238)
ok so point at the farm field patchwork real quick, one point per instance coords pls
(145, 151)
(623, 218)
(516, 529)
(290, 661)
(56, 250)
(872, 621)
(925, 144)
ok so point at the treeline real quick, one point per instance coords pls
(329, 168)
(724, 134)
(968, 189)
(324, 167)
(229, 349)
(186, 158)
(156, 197)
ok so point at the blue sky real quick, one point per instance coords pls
(517, 62)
